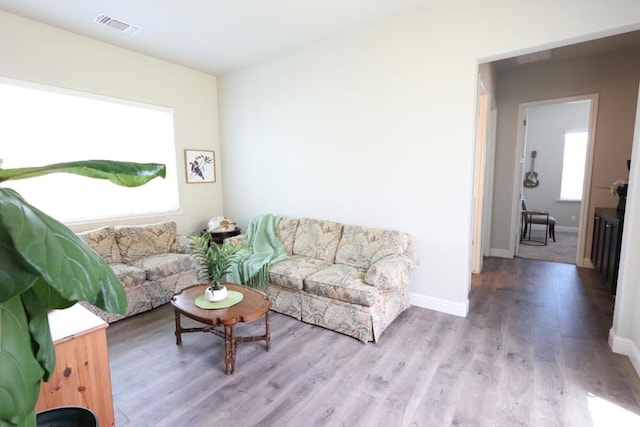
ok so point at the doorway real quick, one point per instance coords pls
(556, 151)
(483, 181)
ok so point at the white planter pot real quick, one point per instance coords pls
(214, 295)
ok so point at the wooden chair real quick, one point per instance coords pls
(537, 217)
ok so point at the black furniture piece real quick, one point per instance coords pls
(605, 248)
(218, 237)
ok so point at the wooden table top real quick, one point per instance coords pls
(68, 323)
(253, 306)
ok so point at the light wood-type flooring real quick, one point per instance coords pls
(531, 352)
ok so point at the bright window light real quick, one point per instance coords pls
(43, 125)
(573, 164)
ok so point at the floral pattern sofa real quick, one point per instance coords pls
(347, 278)
(151, 261)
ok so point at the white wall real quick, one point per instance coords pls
(39, 53)
(377, 128)
(546, 127)
(624, 336)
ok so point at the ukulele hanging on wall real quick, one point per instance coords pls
(531, 177)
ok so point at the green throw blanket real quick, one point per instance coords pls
(264, 249)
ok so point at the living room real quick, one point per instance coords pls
(374, 126)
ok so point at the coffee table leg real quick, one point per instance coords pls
(268, 330)
(229, 350)
(232, 341)
(178, 328)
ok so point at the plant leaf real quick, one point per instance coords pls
(20, 372)
(49, 296)
(64, 261)
(121, 173)
(15, 275)
(41, 340)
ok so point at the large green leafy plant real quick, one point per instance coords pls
(44, 265)
(214, 261)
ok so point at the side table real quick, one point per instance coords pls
(218, 237)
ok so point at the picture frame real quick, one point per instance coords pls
(199, 166)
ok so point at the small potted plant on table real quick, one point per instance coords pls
(214, 262)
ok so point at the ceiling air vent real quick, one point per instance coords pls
(117, 24)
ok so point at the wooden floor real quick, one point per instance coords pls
(531, 352)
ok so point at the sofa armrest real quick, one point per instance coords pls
(391, 272)
(181, 245)
(240, 239)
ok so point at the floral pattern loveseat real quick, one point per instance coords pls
(347, 278)
(151, 261)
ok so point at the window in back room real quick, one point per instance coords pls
(573, 164)
(43, 125)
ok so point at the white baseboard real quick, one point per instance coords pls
(441, 305)
(635, 357)
(501, 253)
(626, 347)
(618, 344)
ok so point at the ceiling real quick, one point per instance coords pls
(212, 36)
(621, 42)
(216, 36)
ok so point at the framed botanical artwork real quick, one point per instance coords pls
(200, 166)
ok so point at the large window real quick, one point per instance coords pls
(42, 125)
(573, 164)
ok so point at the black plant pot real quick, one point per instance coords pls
(67, 416)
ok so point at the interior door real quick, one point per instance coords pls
(483, 115)
(520, 165)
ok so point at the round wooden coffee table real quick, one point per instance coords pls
(253, 306)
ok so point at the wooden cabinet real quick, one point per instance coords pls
(605, 249)
(81, 376)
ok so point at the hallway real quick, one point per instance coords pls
(557, 318)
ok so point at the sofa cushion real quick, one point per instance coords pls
(181, 245)
(139, 241)
(361, 246)
(285, 301)
(103, 242)
(341, 282)
(290, 273)
(317, 239)
(286, 232)
(138, 300)
(128, 275)
(163, 265)
(351, 319)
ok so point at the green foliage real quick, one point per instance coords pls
(214, 261)
(126, 174)
(44, 265)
